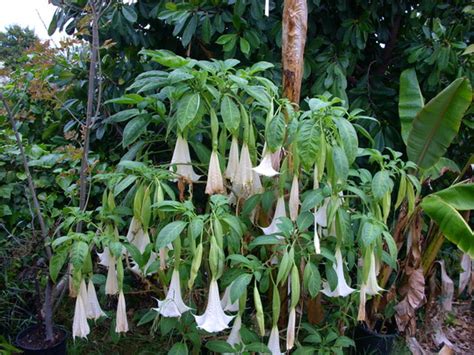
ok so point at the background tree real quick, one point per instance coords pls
(13, 43)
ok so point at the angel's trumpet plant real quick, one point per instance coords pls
(214, 319)
(342, 289)
(294, 202)
(265, 167)
(320, 215)
(274, 341)
(173, 305)
(215, 182)
(290, 330)
(93, 310)
(234, 336)
(80, 327)
(280, 211)
(181, 159)
(233, 162)
(121, 325)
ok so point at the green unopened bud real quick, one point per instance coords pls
(196, 264)
(295, 286)
(276, 304)
(259, 310)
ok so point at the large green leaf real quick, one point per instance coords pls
(410, 101)
(230, 114)
(460, 196)
(450, 222)
(187, 110)
(169, 233)
(437, 124)
(134, 129)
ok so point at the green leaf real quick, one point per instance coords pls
(129, 13)
(165, 58)
(259, 93)
(189, 30)
(178, 349)
(437, 124)
(187, 110)
(410, 101)
(264, 240)
(381, 184)
(148, 317)
(450, 222)
(230, 114)
(348, 136)
(220, 346)
(460, 196)
(169, 233)
(239, 286)
(312, 279)
(79, 253)
(134, 129)
(340, 164)
(275, 132)
(124, 115)
(56, 263)
(370, 232)
(308, 141)
(244, 45)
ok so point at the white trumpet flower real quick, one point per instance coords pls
(93, 310)
(111, 284)
(294, 202)
(173, 305)
(320, 215)
(182, 160)
(317, 246)
(267, 8)
(233, 162)
(121, 323)
(137, 236)
(234, 336)
(372, 287)
(362, 300)
(276, 159)
(214, 319)
(290, 330)
(280, 211)
(80, 327)
(342, 289)
(243, 181)
(265, 167)
(105, 257)
(274, 341)
(215, 182)
(226, 302)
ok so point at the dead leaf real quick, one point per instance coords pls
(415, 346)
(416, 290)
(447, 289)
(446, 350)
(465, 275)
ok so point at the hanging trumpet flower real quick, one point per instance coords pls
(181, 160)
(233, 162)
(111, 285)
(214, 319)
(93, 310)
(294, 202)
(215, 182)
(243, 181)
(80, 327)
(294, 283)
(226, 303)
(173, 305)
(342, 289)
(265, 167)
(372, 287)
(234, 336)
(280, 211)
(121, 322)
(274, 341)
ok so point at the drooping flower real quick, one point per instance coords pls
(173, 305)
(267, 8)
(93, 310)
(105, 257)
(294, 202)
(362, 300)
(111, 284)
(317, 246)
(163, 256)
(214, 319)
(234, 336)
(276, 159)
(121, 323)
(342, 289)
(274, 341)
(215, 182)
(233, 162)
(182, 160)
(243, 181)
(80, 327)
(265, 167)
(320, 215)
(226, 301)
(372, 287)
(257, 187)
(280, 211)
(290, 330)
(137, 236)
